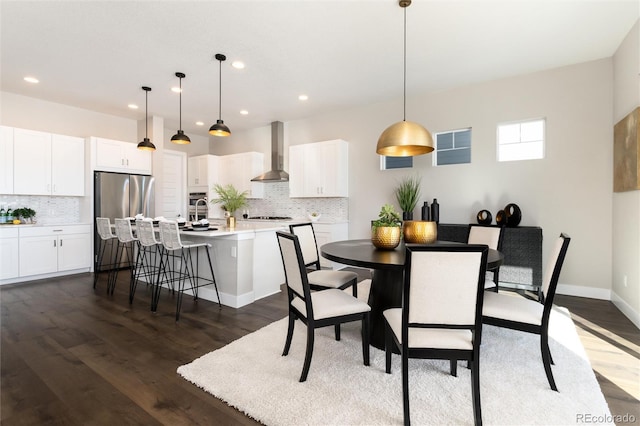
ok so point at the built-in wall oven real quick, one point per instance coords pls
(198, 203)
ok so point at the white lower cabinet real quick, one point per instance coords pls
(9, 246)
(47, 249)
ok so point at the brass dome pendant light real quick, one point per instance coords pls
(405, 138)
(146, 144)
(180, 138)
(220, 129)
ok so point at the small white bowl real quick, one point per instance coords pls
(313, 218)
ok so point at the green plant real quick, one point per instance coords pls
(388, 216)
(230, 198)
(27, 212)
(408, 193)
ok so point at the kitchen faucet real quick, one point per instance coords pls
(198, 202)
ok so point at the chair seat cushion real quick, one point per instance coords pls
(331, 303)
(512, 308)
(437, 338)
(331, 279)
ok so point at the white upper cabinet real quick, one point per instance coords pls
(117, 156)
(319, 169)
(239, 169)
(46, 164)
(6, 160)
(202, 173)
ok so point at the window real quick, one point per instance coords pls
(453, 147)
(388, 163)
(521, 141)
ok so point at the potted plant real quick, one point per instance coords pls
(407, 194)
(231, 200)
(25, 213)
(386, 230)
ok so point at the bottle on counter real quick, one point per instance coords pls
(435, 211)
(3, 215)
(426, 212)
(9, 216)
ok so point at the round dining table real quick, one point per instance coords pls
(387, 275)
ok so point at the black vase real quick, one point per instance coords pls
(407, 215)
(501, 218)
(484, 217)
(513, 215)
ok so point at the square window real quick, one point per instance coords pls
(521, 141)
(452, 147)
(389, 163)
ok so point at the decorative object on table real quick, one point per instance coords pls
(626, 153)
(386, 230)
(405, 138)
(484, 217)
(501, 218)
(314, 216)
(407, 194)
(513, 215)
(419, 231)
(231, 200)
(426, 211)
(435, 211)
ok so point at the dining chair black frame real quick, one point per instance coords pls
(298, 288)
(436, 351)
(501, 229)
(547, 294)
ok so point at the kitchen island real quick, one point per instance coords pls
(246, 261)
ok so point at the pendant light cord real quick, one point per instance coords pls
(220, 91)
(180, 103)
(404, 75)
(146, 114)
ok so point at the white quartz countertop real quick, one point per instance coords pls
(240, 228)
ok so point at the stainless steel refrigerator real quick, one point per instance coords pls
(118, 195)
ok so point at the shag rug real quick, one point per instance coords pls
(251, 375)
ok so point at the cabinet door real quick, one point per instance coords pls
(74, 251)
(109, 155)
(334, 159)
(38, 255)
(137, 160)
(32, 162)
(9, 250)
(67, 165)
(197, 170)
(6, 160)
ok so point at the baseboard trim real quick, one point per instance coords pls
(581, 291)
(626, 309)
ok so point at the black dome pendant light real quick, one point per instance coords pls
(220, 129)
(146, 144)
(180, 138)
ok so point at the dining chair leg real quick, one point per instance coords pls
(496, 279)
(546, 360)
(388, 345)
(113, 273)
(365, 339)
(101, 250)
(475, 391)
(309, 352)
(355, 288)
(454, 367)
(405, 387)
(287, 343)
(337, 331)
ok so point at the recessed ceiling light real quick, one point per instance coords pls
(199, 123)
(133, 106)
(31, 80)
(244, 112)
(176, 89)
(303, 97)
(237, 65)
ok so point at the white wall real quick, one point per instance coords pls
(569, 191)
(626, 205)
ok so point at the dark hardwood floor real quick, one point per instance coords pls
(72, 355)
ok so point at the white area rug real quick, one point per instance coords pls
(251, 375)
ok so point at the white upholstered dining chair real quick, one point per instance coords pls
(492, 236)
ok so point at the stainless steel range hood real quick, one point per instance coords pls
(276, 174)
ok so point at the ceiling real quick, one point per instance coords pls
(342, 54)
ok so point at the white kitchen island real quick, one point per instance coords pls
(246, 261)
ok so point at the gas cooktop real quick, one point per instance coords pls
(270, 217)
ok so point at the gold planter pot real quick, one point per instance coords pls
(420, 231)
(231, 222)
(385, 237)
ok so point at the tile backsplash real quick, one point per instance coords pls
(49, 210)
(276, 202)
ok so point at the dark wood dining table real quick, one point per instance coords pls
(387, 276)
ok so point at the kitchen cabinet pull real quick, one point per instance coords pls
(54, 243)
(127, 161)
(122, 161)
(60, 243)
(57, 230)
